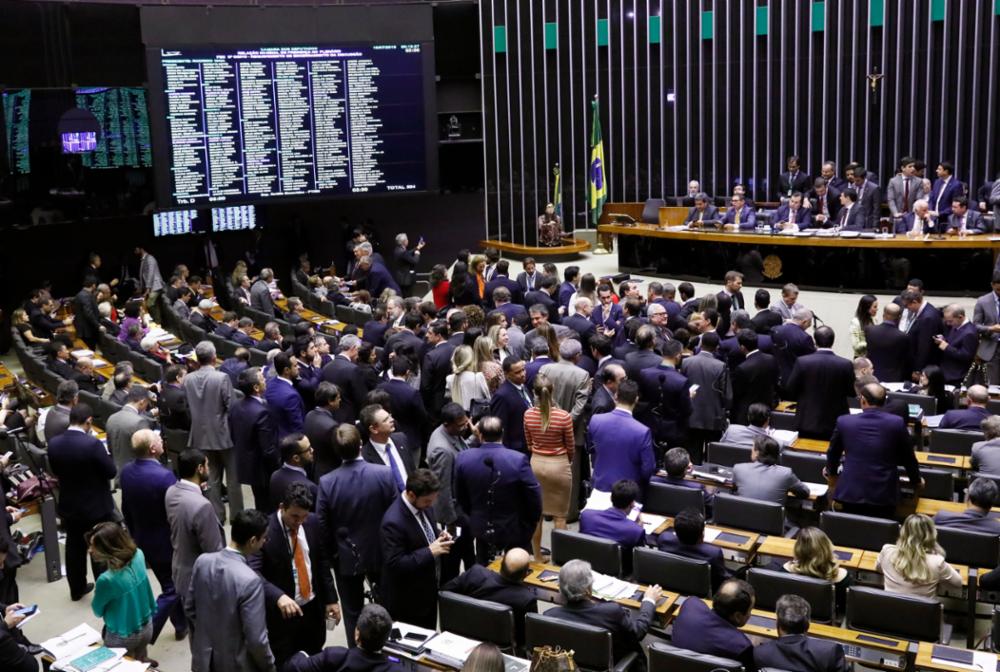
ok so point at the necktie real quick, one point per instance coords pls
(527, 397)
(426, 526)
(737, 216)
(906, 194)
(701, 215)
(301, 571)
(962, 227)
(822, 205)
(918, 227)
(937, 201)
(791, 216)
(396, 475)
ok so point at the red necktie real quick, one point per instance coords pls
(302, 572)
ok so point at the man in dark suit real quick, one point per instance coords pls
(296, 461)
(144, 483)
(851, 216)
(344, 373)
(84, 468)
(173, 405)
(319, 427)
(529, 278)
(766, 319)
(715, 630)
(888, 347)
(504, 301)
(571, 280)
(620, 445)
(353, 498)
(372, 632)
(879, 444)
(298, 595)
(86, 317)
(824, 203)
(794, 649)
(793, 180)
(739, 216)
(979, 499)
(405, 340)
(544, 296)
(972, 417)
(921, 322)
(755, 380)
(496, 488)
(615, 522)
(506, 586)
(375, 277)
(703, 212)
(606, 389)
(283, 401)
(869, 198)
(58, 360)
(386, 446)
(791, 341)
(958, 344)
(413, 548)
(510, 401)
(792, 216)
(608, 317)
(644, 357)
(820, 383)
(539, 358)
(580, 321)
(405, 402)
(665, 395)
(375, 328)
(687, 539)
(436, 367)
(946, 188)
(677, 465)
(627, 628)
(501, 278)
(406, 261)
(254, 438)
(963, 220)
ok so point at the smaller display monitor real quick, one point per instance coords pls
(234, 218)
(175, 222)
(79, 142)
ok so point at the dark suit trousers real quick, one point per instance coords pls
(91, 342)
(696, 440)
(303, 633)
(462, 552)
(887, 511)
(262, 494)
(351, 590)
(168, 604)
(76, 554)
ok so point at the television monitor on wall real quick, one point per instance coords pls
(176, 222)
(234, 218)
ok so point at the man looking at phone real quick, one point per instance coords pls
(406, 262)
(14, 656)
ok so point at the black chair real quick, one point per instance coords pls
(848, 529)
(727, 454)
(591, 646)
(894, 614)
(344, 314)
(770, 585)
(939, 483)
(993, 406)
(807, 466)
(926, 403)
(749, 514)
(672, 572)
(604, 555)
(976, 549)
(477, 619)
(783, 420)
(667, 658)
(954, 441)
(669, 500)
(651, 211)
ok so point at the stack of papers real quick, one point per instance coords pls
(711, 534)
(651, 521)
(411, 638)
(77, 354)
(598, 501)
(450, 649)
(785, 436)
(76, 640)
(817, 489)
(611, 588)
(933, 420)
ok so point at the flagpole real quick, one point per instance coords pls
(596, 173)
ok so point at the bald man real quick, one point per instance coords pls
(888, 347)
(715, 630)
(506, 587)
(969, 418)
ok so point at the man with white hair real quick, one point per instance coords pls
(374, 277)
(209, 394)
(343, 372)
(579, 321)
(122, 424)
(406, 262)
(260, 293)
(84, 377)
(917, 223)
(394, 311)
(627, 628)
(986, 453)
(201, 316)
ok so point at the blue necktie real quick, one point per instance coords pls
(398, 477)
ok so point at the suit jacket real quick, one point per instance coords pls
(700, 629)
(86, 317)
(516, 511)
(614, 319)
(710, 214)
(286, 407)
(340, 659)
(401, 339)
(406, 265)
(121, 426)
(571, 390)
(970, 519)
(922, 332)
(13, 656)
(708, 408)
(821, 384)
(149, 274)
(516, 292)
(409, 571)
(743, 434)
(174, 413)
(84, 467)
(801, 653)
(225, 607)
(378, 279)
(255, 441)
(802, 218)
(410, 455)
(612, 524)
(374, 332)
(790, 343)
(627, 627)
(636, 361)
(974, 222)
(509, 405)
(906, 223)
(889, 352)
(897, 188)
(669, 543)
(964, 418)
(442, 449)
(622, 448)
(543, 297)
(353, 498)
(748, 218)
(260, 298)
(942, 194)
(853, 218)
(319, 427)
(765, 320)
(984, 316)
(349, 380)
(874, 444)
(484, 584)
(869, 201)
(209, 393)
(601, 401)
(767, 482)
(583, 326)
(435, 370)
(512, 310)
(408, 410)
(665, 403)
(832, 203)
(527, 282)
(788, 183)
(144, 485)
(56, 422)
(754, 381)
(957, 357)
(194, 529)
(986, 456)
(282, 478)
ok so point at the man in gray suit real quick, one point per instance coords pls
(986, 454)
(194, 527)
(711, 398)
(904, 189)
(446, 442)
(209, 394)
(150, 282)
(986, 317)
(570, 383)
(764, 478)
(225, 604)
(260, 293)
(57, 419)
(758, 421)
(126, 422)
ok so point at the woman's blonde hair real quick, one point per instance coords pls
(494, 335)
(546, 331)
(814, 554)
(111, 545)
(462, 360)
(483, 349)
(543, 398)
(19, 315)
(917, 538)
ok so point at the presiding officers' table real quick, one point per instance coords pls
(947, 263)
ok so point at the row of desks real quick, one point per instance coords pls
(961, 463)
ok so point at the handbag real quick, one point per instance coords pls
(478, 408)
(552, 659)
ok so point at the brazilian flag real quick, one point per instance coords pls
(598, 180)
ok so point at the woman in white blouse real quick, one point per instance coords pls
(466, 383)
(915, 564)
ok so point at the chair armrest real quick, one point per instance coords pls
(626, 662)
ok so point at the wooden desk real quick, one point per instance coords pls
(936, 460)
(783, 547)
(217, 312)
(320, 322)
(7, 378)
(923, 660)
(748, 547)
(930, 507)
